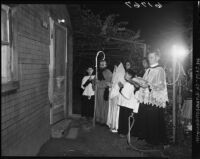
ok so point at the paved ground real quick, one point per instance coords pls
(82, 140)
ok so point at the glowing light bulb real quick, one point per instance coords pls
(179, 51)
(61, 20)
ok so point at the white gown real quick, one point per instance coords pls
(113, 110)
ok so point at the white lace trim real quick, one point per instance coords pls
(157, 98)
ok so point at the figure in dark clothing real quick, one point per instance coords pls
(152, 95)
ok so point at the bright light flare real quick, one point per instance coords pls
(61, 20)
(179, 52)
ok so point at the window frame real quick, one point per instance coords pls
(13, 84)
(7, 9)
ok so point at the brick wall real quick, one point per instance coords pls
(25, 113)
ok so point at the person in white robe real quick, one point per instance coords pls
(127, 102)
(152, 95)
(113, 110)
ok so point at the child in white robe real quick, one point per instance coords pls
(128, 103)
(87, 109)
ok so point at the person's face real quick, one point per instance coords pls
(144, 63)
(128, 65)
(90, 71)
(153, 58)
(103, 65)
(127, 76)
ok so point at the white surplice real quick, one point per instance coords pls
(158, 96)
(127, 98)
(88, 90)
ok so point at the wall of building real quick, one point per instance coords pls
(25, 113)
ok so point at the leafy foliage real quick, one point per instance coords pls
(93, 32)
(92, 28)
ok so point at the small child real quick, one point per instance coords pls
(87, 109)
(127, 102)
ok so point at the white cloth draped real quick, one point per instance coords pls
(127, 98)
(113, 113)
(113, 110)
(118, 76)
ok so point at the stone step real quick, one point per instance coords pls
(73, 133)
(57, 130)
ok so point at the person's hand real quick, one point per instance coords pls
(144, 84)
(120, 84)
(90, 79)
(129, 80)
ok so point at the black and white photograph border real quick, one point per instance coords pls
(100, 78)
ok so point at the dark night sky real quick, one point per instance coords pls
(151, 21)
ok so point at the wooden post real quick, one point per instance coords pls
(174, 100)
(179, 130)
(180, 94)
(95, 98)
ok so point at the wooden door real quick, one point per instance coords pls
(58, 63)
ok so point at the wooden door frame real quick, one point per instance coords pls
(65, 70)
(52, 64)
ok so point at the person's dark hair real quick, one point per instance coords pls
(131, 72)
(86, 68)
(144, 58)
(117, 62)
(89, 67)
(127, 61)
